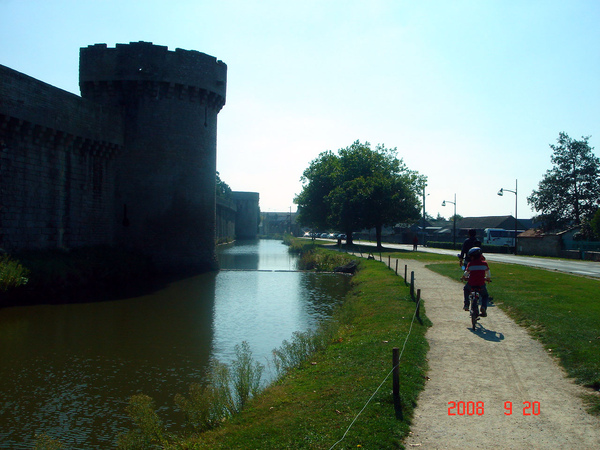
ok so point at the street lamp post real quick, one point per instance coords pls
(501, 193)
(423, 227)
(453, 221)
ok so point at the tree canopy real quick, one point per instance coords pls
(595, 224)
(358, 188)
(223, 190)
(569, 192)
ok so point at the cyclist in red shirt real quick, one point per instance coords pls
(476, 274)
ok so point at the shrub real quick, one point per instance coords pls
(45, 442)
(288, 239)
(210, 404)
(322, 261)
(149, 432)
(225, 393)
(12, 274)
(246, 375)
(293, 353)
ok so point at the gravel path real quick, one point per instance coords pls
(497, 363)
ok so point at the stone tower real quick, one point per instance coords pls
(165, 177)
(248, 214)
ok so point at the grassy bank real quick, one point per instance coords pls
(560, 310)
(316, 257)
(314, 404)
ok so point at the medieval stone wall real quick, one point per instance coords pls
(166, 175)
(248, 214)
(57, 159)
(132, 163)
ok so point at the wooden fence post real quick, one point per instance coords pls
(396, 372)
(405, 274)
(412, 284)
(396, 267)
(418, 302)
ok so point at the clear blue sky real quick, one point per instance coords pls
(471, 93)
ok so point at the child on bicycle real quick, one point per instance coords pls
(476, 274)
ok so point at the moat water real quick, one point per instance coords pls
(67, 370)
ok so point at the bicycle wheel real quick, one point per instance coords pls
(474, 309)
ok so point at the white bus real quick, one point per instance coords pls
(498, 236)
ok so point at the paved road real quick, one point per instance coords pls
(585, 268)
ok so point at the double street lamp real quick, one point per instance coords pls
(453, 221)
(501, 193)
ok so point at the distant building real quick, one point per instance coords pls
(247, 216)
(481, 223)
(278, 223)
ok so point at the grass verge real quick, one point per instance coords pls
(560, 310)
(312, 406)
(383, 253)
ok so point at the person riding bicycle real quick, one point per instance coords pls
(477, 273)
(469, 243)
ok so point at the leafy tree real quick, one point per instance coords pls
(346, 205)
(319, 180)
(595, 224)
(359, 188)
(568, 192)
(223, 189)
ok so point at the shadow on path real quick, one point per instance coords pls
(488, 335)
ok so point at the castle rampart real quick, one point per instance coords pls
(165, 183)
(154, 70)
(248, 214)
(132, 162)
(57, 157)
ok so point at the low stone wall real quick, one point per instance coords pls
(580, 254)
(546, 245)
(591, 256)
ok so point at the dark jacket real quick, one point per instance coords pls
(468, 245)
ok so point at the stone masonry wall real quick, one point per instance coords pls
(226, 212)
(131, 162)
(165, 179)
(56, 166)
(248, 214)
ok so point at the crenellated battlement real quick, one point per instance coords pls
(130, 163)
(152, 71)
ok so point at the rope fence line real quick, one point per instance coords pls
(397, 356)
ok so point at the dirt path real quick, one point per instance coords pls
(495, 364)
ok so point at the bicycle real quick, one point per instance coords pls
(474, 297)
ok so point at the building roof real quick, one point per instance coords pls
(506, 222)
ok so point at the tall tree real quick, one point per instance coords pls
(568, 192)
(595, 223)
(318, 180)
(367, 189)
